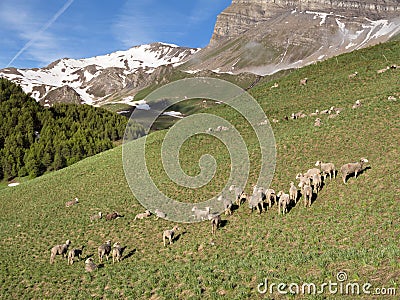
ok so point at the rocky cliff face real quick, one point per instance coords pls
(265, 36)
(243, 14)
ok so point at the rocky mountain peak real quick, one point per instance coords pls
(241, 15)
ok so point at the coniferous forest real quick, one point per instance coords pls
(34, 139)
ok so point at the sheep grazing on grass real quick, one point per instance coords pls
(303, 179)
(335, 110)
(113, 216)
(307, 194)
(72, 202)
(169, 234)
(159, 214)
(317, 183)
(383, 70)
(90, 266)
(351, 76)
(357, 104)
(352, 168)
(200, 214)
(270, 196)
(303, 81)
(227, 205)
(257, 199)
(283, 202)
(104, 250)
(238, 193)
(141, 216)
(293, 192)
(327, 168)
(317, 122)
(59, 250)
(311, 172)
(96, 216)
(274, 86)
(392, 98)
(117, 252)
(215, 222)
(298, 115)
(74, 253)
(313, 114)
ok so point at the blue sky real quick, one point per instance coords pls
(34, 33)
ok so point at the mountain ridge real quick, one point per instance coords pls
(250, 36)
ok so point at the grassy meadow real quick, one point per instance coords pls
(353, 228)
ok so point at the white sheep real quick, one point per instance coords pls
(96, 216)
(169, 234)
(303, 180)
(383, 70)
(72, 253)
(90, 266)
(293, 192)
(104, 250)
(160, 214)
(215, 222)
(357, 104)
(303, 81)
(141, 216)
(59, 250)
(351, 76)
(307, 194)
(270, 196)
(227, 204)
(317, 182)
(283, 202)
(310, 172)
(350, 168)
(200, 214)
(317, 122)
(327, 168)
(238, 193)
(72, 202)
(117, 252)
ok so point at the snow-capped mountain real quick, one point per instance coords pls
(92, 79)
(265, 36)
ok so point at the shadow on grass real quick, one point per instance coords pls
(129, 254)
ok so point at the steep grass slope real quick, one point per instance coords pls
(352, 228)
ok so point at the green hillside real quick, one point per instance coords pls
(353, 228)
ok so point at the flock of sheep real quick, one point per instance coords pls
(309, 184)
(103, 250)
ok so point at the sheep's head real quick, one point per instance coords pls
(108, 242)
(67, 242)
(116, 244)
(280, 193)
(89, 260)
(176, 228)
(317, 163)
(364, 160)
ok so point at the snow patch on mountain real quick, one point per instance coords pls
(81, 74)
